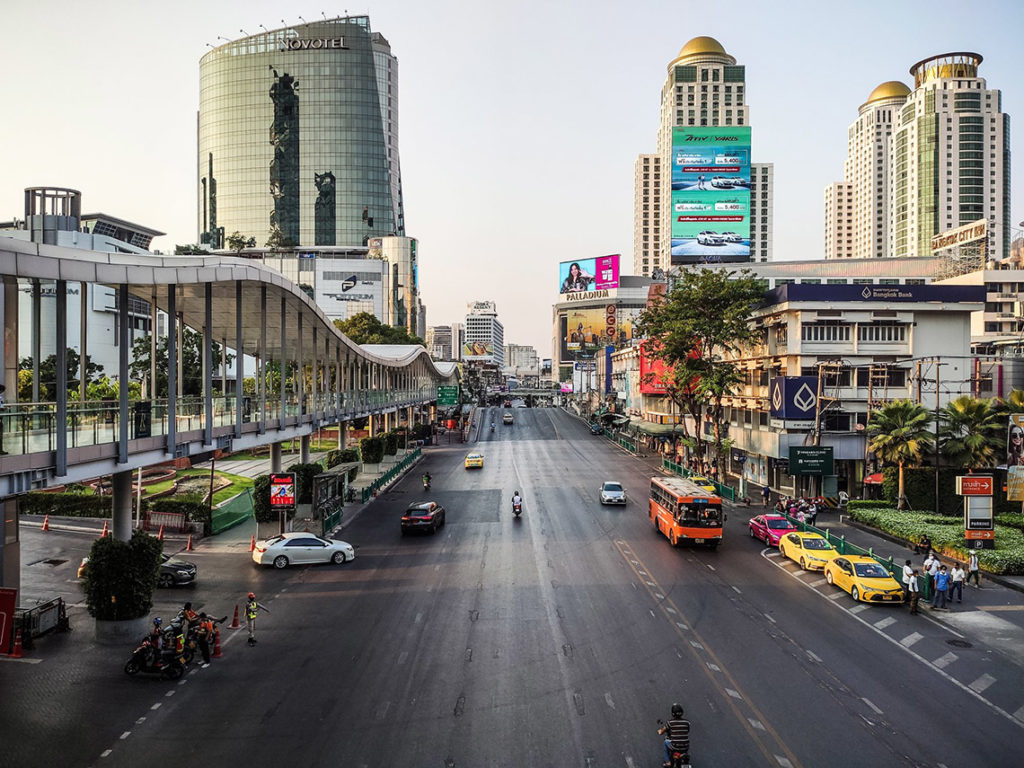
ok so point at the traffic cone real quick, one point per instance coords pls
(234, 621)
(252, 543)
(16, 654)
(160, 534)
(46, 523)
(216, 643)
(106, 531)
(188, 546)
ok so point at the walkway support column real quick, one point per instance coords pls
(275, 457)
(262, 366)
(304, 449)
(122, 490)
(208, 365)
(172, 369)
(122, 383)
(61, 427)
(239, 361)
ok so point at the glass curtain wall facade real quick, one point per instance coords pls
(298, 138)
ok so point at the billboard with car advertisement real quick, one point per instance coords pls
(584, 332)
(710, 194)
(601, 273)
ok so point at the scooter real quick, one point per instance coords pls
(172, 665)
(677, 758)
(492, 427)
(517, 508)
(426, 483)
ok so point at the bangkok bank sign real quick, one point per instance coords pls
(315, 43)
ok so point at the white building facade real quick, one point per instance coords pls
(485, 335)
(647, 215)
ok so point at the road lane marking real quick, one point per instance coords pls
(734, 694)
(836, 595)
(770, 619)
(125, 735)
(814, 656)
(876, 710)
(737, 590)
(888, 621)
(819, 582)
(1019, 714)
(681, 625)
(709, 565)
(105, 752)
(945, 660)
(756, 723)
(910, 639)
(982, 683)
(772, 554)
(157, 705)
(858, 608)
(608, 699)
(783, 761)
(714, 667)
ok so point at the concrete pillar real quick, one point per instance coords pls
(275, 457)
(342, 435)
(122, 383)
(304, 449)
(10, 546)
(172, 368)
(122, 489)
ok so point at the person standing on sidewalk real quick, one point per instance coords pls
(956, 583)
(931, 570)
(912, 591)
(972, 570)
(252, 608)
(908, 572)
(941, 590)
(766, 494)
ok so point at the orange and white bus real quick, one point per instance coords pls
(685, 512)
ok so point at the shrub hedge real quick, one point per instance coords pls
(121, 576)
(390, 444)
(371, 449)
(64, 503)
(193, 510)
(947, 535)
(304, 474)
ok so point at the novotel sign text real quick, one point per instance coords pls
(315, 43)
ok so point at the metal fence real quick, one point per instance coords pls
(390, 475)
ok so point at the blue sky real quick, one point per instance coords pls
(519, 122)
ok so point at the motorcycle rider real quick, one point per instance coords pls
(426, 479)
(517, 501)
(156, 642)
(492, 426)
(677, 735)
(188, 617)
(205, 635)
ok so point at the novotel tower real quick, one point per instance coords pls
(298, 137)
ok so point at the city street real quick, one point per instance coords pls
(557, 639)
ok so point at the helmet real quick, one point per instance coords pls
(677, 710)
(252, 595)
(188, 606)
(157, 621)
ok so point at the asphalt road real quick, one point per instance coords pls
(553, 640)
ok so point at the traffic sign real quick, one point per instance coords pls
(811, 460)
(448, 394)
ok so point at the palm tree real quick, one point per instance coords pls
(971, 432)
(898, 433)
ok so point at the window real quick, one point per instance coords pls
(882, 333)
(825, 331)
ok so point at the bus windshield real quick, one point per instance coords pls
(699, 514)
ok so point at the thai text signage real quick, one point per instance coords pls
(282, 489)
(974, 485)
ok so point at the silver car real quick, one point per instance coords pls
(613, 493)
(300, 548)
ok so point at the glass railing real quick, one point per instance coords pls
(32, 427)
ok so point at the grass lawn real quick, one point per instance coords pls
(286, 448)
(238, 483)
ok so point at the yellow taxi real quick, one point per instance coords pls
(704, 483)
(474, 460)
(864, 578)
(811, 550)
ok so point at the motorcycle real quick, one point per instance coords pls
(517, 508)
(171, 667)
(677, 758)
(426, 483)
(492, 427)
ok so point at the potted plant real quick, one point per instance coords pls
(118, 583)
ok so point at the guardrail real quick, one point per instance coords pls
(722, 490)
(390, 475)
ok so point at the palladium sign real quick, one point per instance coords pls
(315, 43)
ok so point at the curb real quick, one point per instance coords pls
(993, 577)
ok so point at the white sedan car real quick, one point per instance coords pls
(301, 548)
(613, 493)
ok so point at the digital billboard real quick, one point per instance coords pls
(477, 349)
(710, 194)
(654, 373)
(584, 332)
(589, 274)
(282, 489)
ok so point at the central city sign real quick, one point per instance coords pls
(811, 460)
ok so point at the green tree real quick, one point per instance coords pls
(899, 433)
(238, 242)
(48, 374)
(971, 433)
(190, 250)
(191, 353)
(365, 328)
(697, 330)
(121, 576)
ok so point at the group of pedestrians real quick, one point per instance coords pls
(801, 510)
(945, 584)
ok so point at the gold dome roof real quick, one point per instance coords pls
(702, 46)
(892, 89)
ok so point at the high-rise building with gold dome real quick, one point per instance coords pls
(704, 88)
(921, 162)
(857, 209)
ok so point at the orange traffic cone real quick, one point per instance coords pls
(188, 546)
(160, 534)
(234, 621)
(16, 654)
(46, 523)
(216, 643)
(106, 531)
(252, 543)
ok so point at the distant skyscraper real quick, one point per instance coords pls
(857, 213)
(439, 342)
(298, 137)
(951, 157)
(485, 335)
(704, 88)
